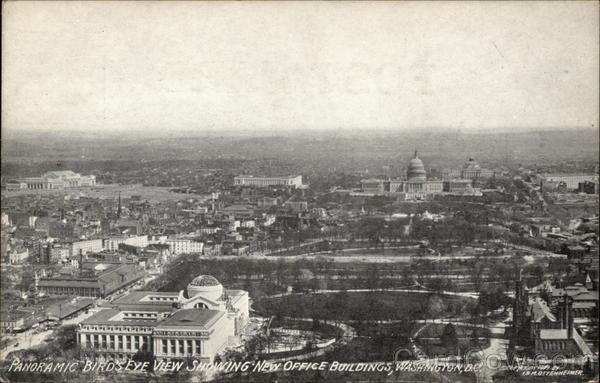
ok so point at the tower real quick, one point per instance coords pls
(416, 169)
(119, 207)
(520, 307)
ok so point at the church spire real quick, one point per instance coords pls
(119, 208)
(416, 154)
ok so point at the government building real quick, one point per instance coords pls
(539, 329)
(291, 181)
(197, 323)
(52, 181)
(416, 186)
(571, 181)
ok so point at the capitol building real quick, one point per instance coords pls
(196, 323)
(416, 186)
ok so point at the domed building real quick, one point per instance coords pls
(470, 170)
(416, 169)
(207, 286)
(171, 325)
(415, 187)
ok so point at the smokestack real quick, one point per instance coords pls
(565, 309)
(119, 207)
(569, 319)
(80, 260)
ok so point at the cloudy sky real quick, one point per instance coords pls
(191, 66)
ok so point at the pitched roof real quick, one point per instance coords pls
(193, 318)
(138, 297)
(554, 334)
(540, 310)
(105, 317)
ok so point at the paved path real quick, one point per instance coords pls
(33, 338)
(471, 295)
(497, 347)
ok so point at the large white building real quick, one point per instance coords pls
(112, 243)
(292, 181)
(571, 181)
(196, 324)
(184, 246)
(86, 246)
(417, 186)
(53, 180)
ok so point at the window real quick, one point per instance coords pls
(181, 347)
(190, 349)
(172, 344)
(120, 341)
(165, 346)
(198, 343)
(127, 342)
(136, 343)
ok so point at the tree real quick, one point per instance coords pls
(448, 336)
(143, 356)
(372, 277)
(435, 307)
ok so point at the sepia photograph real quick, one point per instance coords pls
(300, 191)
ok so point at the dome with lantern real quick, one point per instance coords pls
(416, 169)
(207, 286)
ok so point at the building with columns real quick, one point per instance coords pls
(197, 323)
(416, 186)
(291, 181)
(52, 181)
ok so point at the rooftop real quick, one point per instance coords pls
(193, 317)
(205, 280)
(554, 334)
(104, 317)
(142, 297)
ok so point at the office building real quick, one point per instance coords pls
(198, 323)
(291, 181)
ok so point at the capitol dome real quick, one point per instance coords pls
(416, 170)
(471, 165)
(207, 286)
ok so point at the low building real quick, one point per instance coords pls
(13, 321)
(52, 181)
(18, 255)
(93, 279)
(68, 309)
(266, 202)
(85, 247)
(241, 211)
(112, 243)
(291, 181)
(296, 206)
(571, 181)
(184, 246)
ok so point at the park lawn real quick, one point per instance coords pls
(467, 338)
(361, 306)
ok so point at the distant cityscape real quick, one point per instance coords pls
(134, 271)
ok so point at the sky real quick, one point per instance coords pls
(171, 67)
